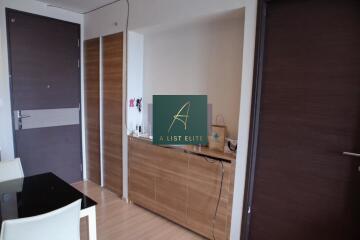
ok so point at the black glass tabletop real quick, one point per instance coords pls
(39, 194)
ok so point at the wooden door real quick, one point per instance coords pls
(303, 186)
(92, 96)
(112, 111)
(44, 61)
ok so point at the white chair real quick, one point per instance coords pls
(10, 170)
(61, 224)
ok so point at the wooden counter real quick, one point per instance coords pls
(182, 185)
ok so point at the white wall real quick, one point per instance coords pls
(145, 13)
(198, 57)
(6, 135)
(135, 77)
(244, 116)
(105, 21)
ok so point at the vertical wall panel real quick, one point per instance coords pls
(92, 93)
(112, 111)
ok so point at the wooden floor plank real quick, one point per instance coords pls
(118, 220)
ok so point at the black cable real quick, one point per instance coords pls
(105, 5)
(219, 197)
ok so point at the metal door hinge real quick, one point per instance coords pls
(81, 167)
(249, 210)
(78, 43)
(78, 63)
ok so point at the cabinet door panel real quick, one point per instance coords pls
(204, 188)
(143, 183)
(112, 111)
(92, 96)
(172, 196)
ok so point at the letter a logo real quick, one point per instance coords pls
(181, 116)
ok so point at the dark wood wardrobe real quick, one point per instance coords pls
(303, 177)
(110, 60)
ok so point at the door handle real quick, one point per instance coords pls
(21, 116)
(351, 154)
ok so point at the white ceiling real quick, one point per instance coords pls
(79, 6)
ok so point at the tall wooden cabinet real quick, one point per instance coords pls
(92, 108)
(112, 111)
(111, 105)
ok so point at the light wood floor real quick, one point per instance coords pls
(118, 220)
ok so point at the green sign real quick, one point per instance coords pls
(180, 119)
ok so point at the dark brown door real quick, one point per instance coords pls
(304, 186)
(44, 65)
(112, 105)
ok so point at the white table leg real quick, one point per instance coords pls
(91, 214)
(92, 223)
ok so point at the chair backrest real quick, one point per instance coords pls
(10, 170)
(61, 224)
